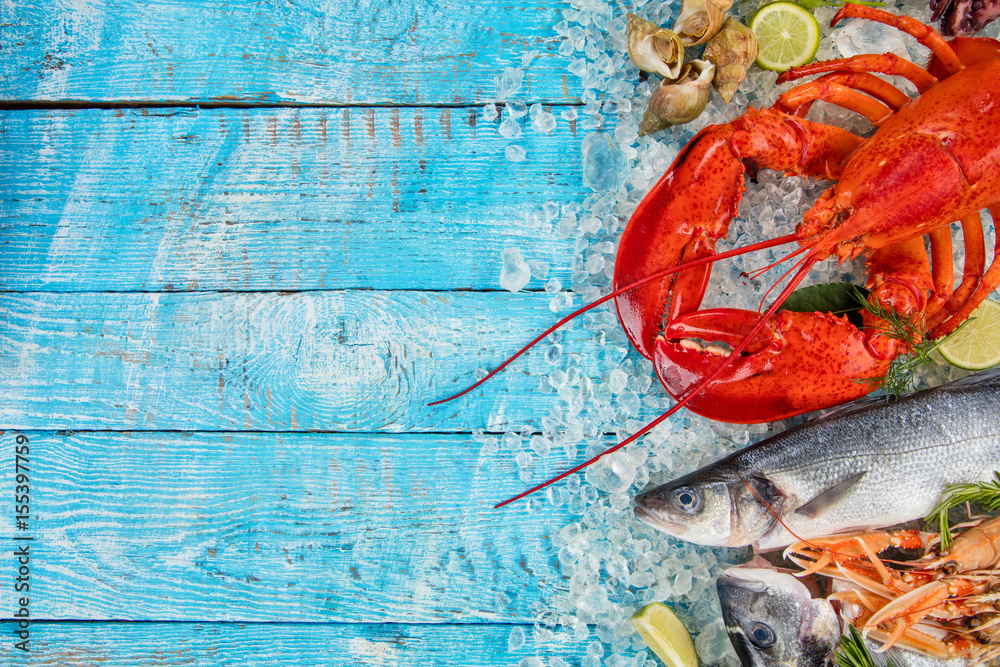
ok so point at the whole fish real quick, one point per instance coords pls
(872, 463)
(773, 620)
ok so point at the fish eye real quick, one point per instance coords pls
(761, 635)
(686, 499)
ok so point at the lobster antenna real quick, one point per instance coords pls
(757, 273)
(782, 277)
(807, 264)
(781, 240)
(629, 440)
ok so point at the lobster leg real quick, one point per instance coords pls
(836, 93)
(923, 33)
(798, 100)
(975, 260)
(942, 260)
(886, 63)
(975, 255)
(989, 282)
(946, 60)
(878, 88)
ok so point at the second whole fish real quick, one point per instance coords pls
(873, 463)
(773, 620)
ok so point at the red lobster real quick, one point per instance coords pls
(933, 160)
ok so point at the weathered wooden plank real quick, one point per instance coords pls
(307, 51)
(300, 644)
(251, 199)
(331, 361)
(286, 527)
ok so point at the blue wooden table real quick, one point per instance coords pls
(243, 244)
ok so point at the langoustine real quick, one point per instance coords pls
(943, 605)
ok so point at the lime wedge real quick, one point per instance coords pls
(976, 345)
(787, 34)
(663, 632)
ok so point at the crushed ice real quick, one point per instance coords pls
(515, 153)
(508, 82)
(605, 166)
(514, 272)
(612, 563)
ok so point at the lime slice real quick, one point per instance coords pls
(787, 34)
(976, 345)
(663, 632)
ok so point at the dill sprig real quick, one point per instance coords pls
(984, 494)
(852, 651)
(899, 377)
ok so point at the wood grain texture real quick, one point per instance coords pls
(330, 361)
(275, 199)
(358, 52)
(241, 311)
(298, 644)
(286, 527)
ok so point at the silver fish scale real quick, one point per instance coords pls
(907, 449)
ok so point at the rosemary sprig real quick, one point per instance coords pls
(984, 494)
(852, 651)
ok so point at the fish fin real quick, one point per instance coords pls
(854, 406)
(826, 499)
(981, 379)
(841, 411)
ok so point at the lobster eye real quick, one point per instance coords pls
(686, 499)
(761, 635)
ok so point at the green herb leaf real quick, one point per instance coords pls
(910, 329)
(836, 298)
(852, 651)
(984, 494)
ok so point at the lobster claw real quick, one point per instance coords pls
(679, 220)
(798, 362)
(689, 209)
